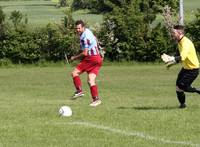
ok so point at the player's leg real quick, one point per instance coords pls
(77, 83)
(179, 92)
(188, 76)
(181, 97)
(192, 75)
(93, 89)
(183, 84)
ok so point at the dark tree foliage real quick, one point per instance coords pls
(2, 16)
(63, 3)
(128, 33)
(2, 24)
(50, 43)
(192, 29)
(16, 18)
(2, 29)
(102, 6)
(97, 6)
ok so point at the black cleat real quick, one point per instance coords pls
(182, 106)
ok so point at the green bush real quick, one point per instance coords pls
(2, 24)
(192, 29)
(5, 62)
(128, 35)
(50, 43)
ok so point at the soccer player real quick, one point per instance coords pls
(91, 62)
(190, 64)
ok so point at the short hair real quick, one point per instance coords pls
(78, 22)
(179, 27)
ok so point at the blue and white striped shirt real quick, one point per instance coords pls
(88, 40)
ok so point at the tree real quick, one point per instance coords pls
(2, 16)
(2, 31)
(2, 23)
(193, 30)
(98, 6)
(63, 3)
(16, 17)
(128, 33)
(104, 6)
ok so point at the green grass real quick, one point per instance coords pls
(40, 12)
(91, 19)
(139, 108)
(190, 9)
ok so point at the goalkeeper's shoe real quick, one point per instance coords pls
(198, 90)
(95, 102)
(182, 106)
(77, 94)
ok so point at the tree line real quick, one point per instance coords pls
(128, 33)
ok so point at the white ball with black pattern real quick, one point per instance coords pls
(65, 111)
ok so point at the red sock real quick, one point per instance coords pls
(94, 91)
(77, 83)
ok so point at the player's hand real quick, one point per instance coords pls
(169, 64)
(72, 58)
(169, 60)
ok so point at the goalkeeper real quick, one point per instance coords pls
(190, 64)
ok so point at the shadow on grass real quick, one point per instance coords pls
(150, 108)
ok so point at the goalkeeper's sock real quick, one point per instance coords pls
(181, 97)
(77, 83)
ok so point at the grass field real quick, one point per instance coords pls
(139, 109)
(190, 9)
(40, 12)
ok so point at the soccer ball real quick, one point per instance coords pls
(65, 111)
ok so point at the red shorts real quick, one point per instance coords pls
(90, 64)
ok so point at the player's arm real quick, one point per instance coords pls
(177, 56)
(80, 55)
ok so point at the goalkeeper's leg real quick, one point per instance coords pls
(188, 88)
(181, 97)
(192, 89)
(185, 80)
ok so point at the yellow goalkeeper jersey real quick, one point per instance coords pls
(188, 54)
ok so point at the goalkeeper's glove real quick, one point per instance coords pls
(169, 60)
(170, 63)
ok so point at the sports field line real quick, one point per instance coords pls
(132, 133)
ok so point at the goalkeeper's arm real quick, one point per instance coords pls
(177, 59)
(177, 56)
